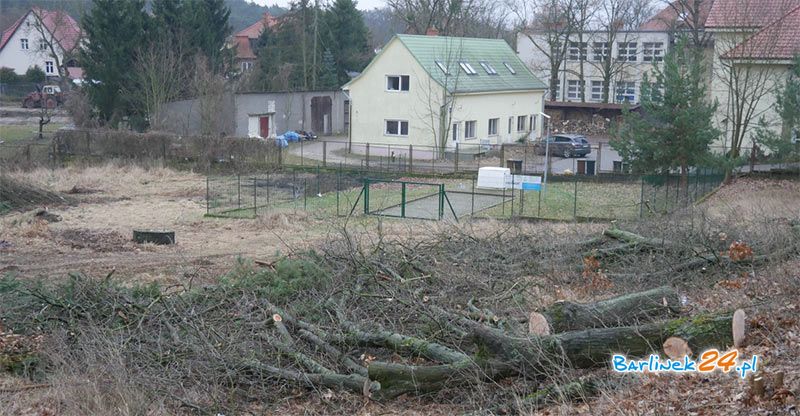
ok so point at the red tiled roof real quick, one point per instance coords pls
(10, 31)
(669, 17)
(64, 29)
(74, 72)
(778, 40)
(747, 13)
(254, 31)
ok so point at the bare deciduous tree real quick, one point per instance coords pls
(161, 75)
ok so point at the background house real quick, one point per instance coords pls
(441, 91)
(43, 38)
(244, 41)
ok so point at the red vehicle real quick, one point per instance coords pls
(49, 96)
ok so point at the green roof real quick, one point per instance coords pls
(451, 52)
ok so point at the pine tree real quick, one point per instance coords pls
(329, 74)
(673, 128)
(349, 36)
(114, 30)
(208, 29)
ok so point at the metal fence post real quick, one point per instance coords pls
(575, 200)
(255, 196)
(441, 201)
(539, 207)
(366, 196)
(367, 155)
(410, 158)
(455, 162)
(324, 153)
(472, 209)
(513, 190)
(403, 201)
(522, 202)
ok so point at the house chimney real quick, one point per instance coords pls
(432, 31)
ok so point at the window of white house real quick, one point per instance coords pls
(493, 122)
(532, 122)
(468, 69)
(576, 51)
(521, 123)
(469, 129)
(510, 123)
(24, 44)
(397, 82)
(626, 51)
(574, 88)
(510, 68)
(597, 90)
(42, 44)
(626, 91)
(49, 68)
(600, 51)
(488, 68)
(653, 51)
(442, 67)
(455, 133)
(396, 128)
(246, 65)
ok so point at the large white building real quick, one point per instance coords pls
(28, 42)
(441, 91)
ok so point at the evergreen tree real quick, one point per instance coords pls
(114, 30)
(349, 36)
(208, 29)
(329, 75)
(673, 129)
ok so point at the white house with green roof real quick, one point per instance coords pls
(439, 91)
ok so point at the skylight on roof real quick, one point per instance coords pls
(442, 67)
(510, 68)
(468, 69)
(488, 68)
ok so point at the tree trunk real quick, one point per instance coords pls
(623, 310)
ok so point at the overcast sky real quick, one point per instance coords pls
(362, 4)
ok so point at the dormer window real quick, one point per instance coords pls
(468, 69)
(510, 68)
(441, 66)
(488, 68)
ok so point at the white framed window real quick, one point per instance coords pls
(23, 43)
(42, 44)
(468, 69)
(521, 123)
(532, 122)
(600, 51)
(49, 68)
(510, 123)
(396, 128)
(246, 65)
(397, 82)
(653, 51)
(493, 122)
(574, 88)
(455, 134)
(576, 51)
(626, 51)
(626, 91)
(469, 129)
(510, 68)
(488, 68)
(597, 90)
(442, 67)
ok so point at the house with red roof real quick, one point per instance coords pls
(244, 41)
(755, 42)
(45, 38)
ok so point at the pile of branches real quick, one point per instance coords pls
(379, 319)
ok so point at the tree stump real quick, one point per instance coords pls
(161, 237)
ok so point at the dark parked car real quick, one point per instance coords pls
(565, 145)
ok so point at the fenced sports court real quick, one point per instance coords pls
(331, 193)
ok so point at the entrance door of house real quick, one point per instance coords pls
(263, 123)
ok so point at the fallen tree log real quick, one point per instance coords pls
(629, 237)
(624, 310)
(594, 347)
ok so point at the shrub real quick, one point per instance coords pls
(8, 76)
(34, 74)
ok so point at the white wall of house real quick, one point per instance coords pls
(15, 56)
(649, 48)
(420, 107)
(766, 77)
(372, 105)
